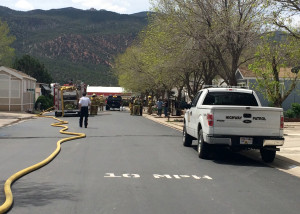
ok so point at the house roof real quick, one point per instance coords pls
(16, 73)
(284, 73)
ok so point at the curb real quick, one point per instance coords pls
(168, 124)
(12, 121)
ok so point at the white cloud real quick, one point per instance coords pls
(24, 5)
(112, 5)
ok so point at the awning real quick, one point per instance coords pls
(47, 88)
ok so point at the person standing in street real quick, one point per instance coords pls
(84, 103)
(136, 106)
(149, 105)
(141, 107)
(101, 103)
(131, 105)
(94, 105)
(159, 106)
(166, 107)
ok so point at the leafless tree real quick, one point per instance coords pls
(224, 29)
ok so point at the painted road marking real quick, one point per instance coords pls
(157, 176)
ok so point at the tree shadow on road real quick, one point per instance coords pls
(39, 194)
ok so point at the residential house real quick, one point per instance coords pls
(247, 78)
(17, 90)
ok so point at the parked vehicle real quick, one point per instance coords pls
(233, 117)
(114, 102)
(66, 98)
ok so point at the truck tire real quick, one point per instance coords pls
(186, 138)
(58, 114)
(203, 148)
(268, 155)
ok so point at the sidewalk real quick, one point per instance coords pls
(9, 118)
(287, 159)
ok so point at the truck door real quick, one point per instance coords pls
(192, 117)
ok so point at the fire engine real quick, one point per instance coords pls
(66, 98)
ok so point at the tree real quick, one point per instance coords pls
(282, 14)
(6, 52)
(271, 58)
(188, 43)
(146, 67)
(224, 30)
(33, 68)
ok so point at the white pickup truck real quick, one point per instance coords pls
(232, 117)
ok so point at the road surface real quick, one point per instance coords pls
(131, 165)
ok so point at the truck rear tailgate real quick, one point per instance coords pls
(247, 121)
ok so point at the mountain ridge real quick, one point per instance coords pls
(72, 43)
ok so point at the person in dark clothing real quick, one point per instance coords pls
(141, 108)
(84, 104)
(166, 107)
(159, 105)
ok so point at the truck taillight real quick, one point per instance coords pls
(210, 119)
(281, 122)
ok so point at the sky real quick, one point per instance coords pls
(119, 6)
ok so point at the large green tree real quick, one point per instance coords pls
(6, 51)
(33, 68)
(274, 60)
(145, 66)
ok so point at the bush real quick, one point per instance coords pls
(44, 102)
(289, 114)
(294, 112)
(296, 109)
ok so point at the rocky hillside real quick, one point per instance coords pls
(74, 44)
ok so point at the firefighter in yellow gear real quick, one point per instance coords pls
(150, 104)
(94, 105)
(131, 105)
(136, 106)
(101, 102)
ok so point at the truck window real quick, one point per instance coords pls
(230, 98)
(196, 98)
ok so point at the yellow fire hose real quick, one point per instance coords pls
(7, 186)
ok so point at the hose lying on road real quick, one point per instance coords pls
(7, 186)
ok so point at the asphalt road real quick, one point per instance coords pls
(131, 165)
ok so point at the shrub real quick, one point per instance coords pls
(45, 102)
(289, 113)
(296, 109)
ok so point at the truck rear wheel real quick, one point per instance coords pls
(58, 114)
(203, 148)
(186, 138)
(268, 155)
